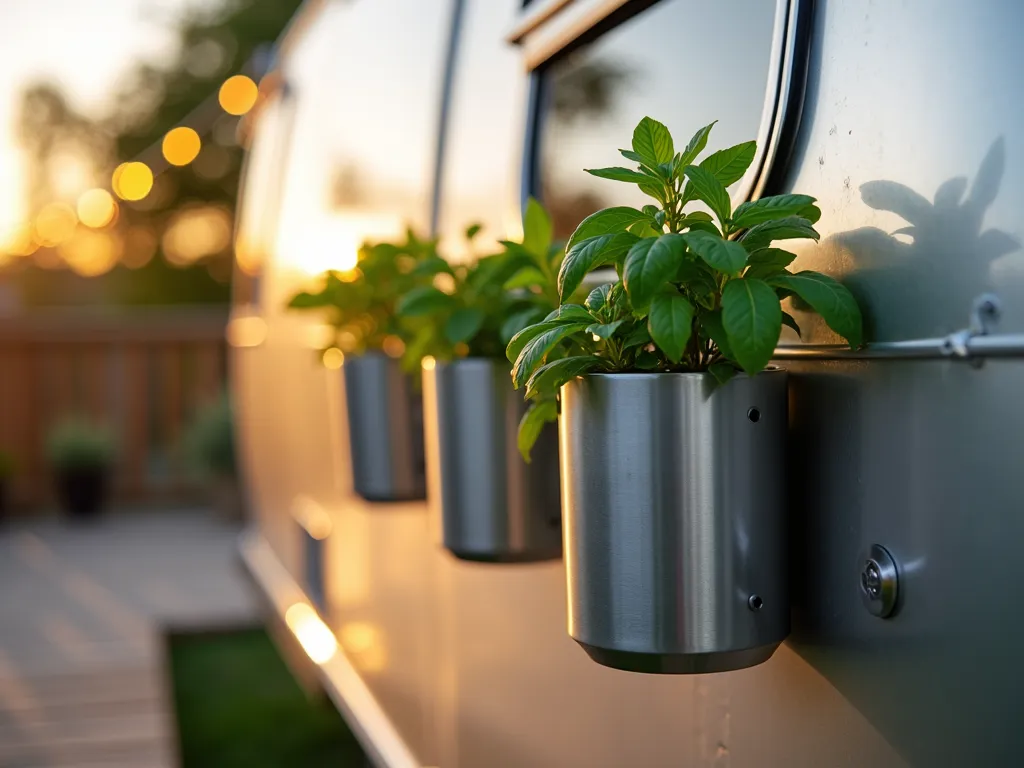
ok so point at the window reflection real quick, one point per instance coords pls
(683, 62)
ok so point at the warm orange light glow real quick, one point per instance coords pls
(20, 242)
(181, 145)
(238, 95)
(54, 224)
(246, 331)
(315, 240)
(313, 635)
(96, 208)
(91, 253)
(333, 358)
(197, 232)
(428, 363)
(393, 346)
(132, 181)
(363, 644)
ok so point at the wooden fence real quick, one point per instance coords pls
(142, 373)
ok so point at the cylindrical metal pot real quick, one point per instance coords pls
(675, 519)
(489, 504)
(385, 425)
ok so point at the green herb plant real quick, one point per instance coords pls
(697, 291)
(362, 303)
(79, 445)
(480, 306)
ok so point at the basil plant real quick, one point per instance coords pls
(697, 291)
(475, 309)
(362, 303)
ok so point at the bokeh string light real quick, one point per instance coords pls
(132, 181)
(181, 145)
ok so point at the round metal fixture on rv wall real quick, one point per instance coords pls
(879, 582)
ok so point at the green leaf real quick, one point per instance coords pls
(769, 208)
(729, 165)
(789, 228)
(570, 313)
(723, 255)
(649, 265)
(598, 298)
(722, 372)
(514, 323)
(537, 229)
(828, 298)
(647, 361)
(670, 322)
(548, 379)
(537, 416)
(590, 254)
(526, 335)
(432, 265)
(473, 230)
(752, 319)
(463, 324)
(631, 155)
(305, 300)
(619, 174)
(604, 330)
(639, 336)
(704, 186)
(765, 262)
(711, 322)
(652, 142)
(789, 320)
(525, 278)
(812, 213)
(423, 300)
(696, 277)
(654, 189)
(605, 222)
(536, 350)
(696, 145)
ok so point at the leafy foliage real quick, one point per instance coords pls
(77, 444)
(486, 303)
(697, 292)
(210, 440)
(362, 304)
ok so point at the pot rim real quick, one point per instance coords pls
(472, 360)
(772, 369)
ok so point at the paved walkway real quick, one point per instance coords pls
(82, 681)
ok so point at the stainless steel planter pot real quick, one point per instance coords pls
(675, 525)
(385, 423)
(489, 504)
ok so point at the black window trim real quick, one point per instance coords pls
(784, 92)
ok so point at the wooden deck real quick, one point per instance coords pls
(82, 610)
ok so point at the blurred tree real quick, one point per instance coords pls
(194, 202)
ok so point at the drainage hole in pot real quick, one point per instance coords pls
(755, 602)
(754, 415)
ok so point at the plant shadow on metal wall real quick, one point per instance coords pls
(921, 454)
(936, 276)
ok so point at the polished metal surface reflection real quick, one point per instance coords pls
(675, 519)
(489, 504)
(385, 421)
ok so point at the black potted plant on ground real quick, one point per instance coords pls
(489, 502)
(210, 444)
(381, 353)
(672, 424)
(81, 456)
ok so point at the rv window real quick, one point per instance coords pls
(683, 62)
